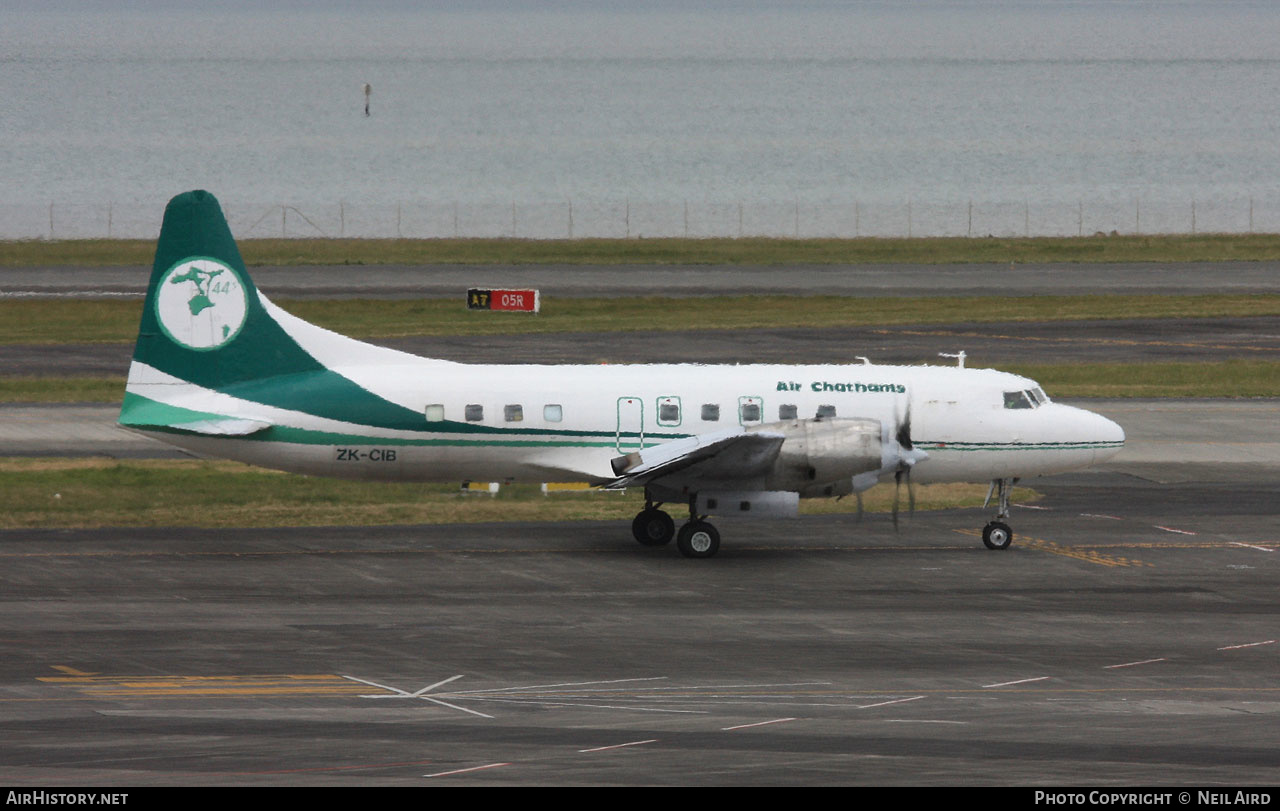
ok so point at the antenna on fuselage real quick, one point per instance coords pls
(959, 356)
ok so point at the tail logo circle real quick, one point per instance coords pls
(201, 303)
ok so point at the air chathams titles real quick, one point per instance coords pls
(825, 385)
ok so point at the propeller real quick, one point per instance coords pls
(907, 458)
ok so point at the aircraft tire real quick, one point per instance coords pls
(698, 539)
(997, 535)
(653, 527)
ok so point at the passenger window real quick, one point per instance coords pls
(1017, 399)
(787, 412)
(826, 411)
(710, 412)
(474, 413)
(751, 412)
(513, 413)
(435, 413)
(552, 413)
(668, 410)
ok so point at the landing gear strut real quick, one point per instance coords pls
(996, 534)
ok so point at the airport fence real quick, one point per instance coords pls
(626, 218)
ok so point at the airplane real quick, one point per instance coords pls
(220, 370)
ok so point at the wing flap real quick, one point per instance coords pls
(728, 455)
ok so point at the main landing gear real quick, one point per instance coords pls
(996, 534)
(696, 539)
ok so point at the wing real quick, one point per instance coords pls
(726, 456)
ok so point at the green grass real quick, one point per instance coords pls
(86, 493)
(746, 251)
(1229, 378)
(50, 389)
(52, 321)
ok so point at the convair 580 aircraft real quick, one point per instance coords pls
(220, 370)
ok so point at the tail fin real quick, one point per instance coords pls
(207, 331)
(203, 321)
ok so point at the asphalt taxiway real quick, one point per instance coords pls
(1129, 637)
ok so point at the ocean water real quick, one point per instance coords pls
(585, 118)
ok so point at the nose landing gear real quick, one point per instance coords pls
(996, 534)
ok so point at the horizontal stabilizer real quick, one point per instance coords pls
(228, 426)
(146, 414)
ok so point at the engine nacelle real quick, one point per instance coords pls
(821, 456)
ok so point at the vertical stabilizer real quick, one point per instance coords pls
(205, 328)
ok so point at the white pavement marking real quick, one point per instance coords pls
(464, 771)
(1171, 529)
(1251, 546)
(619, 745)
(757, 724)
(887, 703)
(1132, 664)
(396, 692)
(1019, 681)
(562, 703)
(549, 686)
(1249, 645)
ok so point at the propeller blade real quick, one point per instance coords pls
(911, 496)
(897, 495)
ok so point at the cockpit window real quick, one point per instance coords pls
(1019, 399)
(1039, 395)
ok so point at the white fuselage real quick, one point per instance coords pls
(567, 422)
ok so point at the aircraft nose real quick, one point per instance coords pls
(1109, 436)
